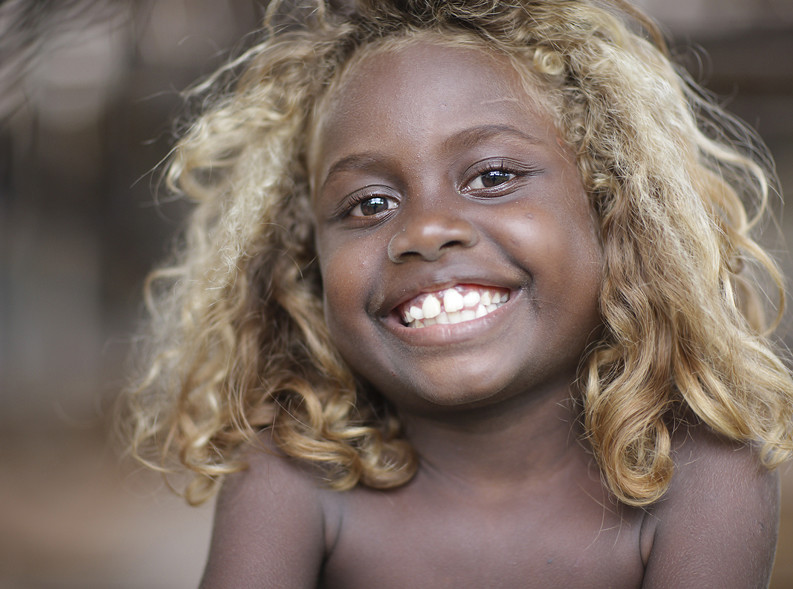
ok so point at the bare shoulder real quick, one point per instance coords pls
(269, 525)
(717, 524)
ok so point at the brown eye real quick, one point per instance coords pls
(372, 206)
(494, 178)
(490, 179)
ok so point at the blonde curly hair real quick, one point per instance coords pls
(238, 342)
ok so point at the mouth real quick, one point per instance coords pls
(457, 304)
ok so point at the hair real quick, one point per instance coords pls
(238, 343)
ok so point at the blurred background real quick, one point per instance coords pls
(89, 90)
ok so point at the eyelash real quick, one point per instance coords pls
(508, 167)
(513, 169)
(357, 199)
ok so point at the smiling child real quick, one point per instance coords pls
(466, 301)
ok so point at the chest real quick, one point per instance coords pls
(566, 539)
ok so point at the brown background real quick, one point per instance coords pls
(88, 92)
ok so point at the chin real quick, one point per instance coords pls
(467, 391)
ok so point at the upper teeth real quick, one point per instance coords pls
(452, 305)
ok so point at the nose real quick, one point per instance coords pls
(428, 235)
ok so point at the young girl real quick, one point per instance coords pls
(469, 299)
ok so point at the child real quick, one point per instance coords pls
(468, 300)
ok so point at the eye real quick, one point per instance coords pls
(491, 178)
(372, 205)
(495, 177)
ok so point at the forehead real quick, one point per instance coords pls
(422, 87)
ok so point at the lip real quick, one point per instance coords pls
(419, 283)
(439, 334)
(446, 334)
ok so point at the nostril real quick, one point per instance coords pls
(454, 244)
(430, 239)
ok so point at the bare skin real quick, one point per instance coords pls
(436, 169)
(716, 528)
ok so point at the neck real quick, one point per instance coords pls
(514, 442)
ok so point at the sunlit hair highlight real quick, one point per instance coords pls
(238, 345)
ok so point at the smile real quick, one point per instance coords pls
(458, 304)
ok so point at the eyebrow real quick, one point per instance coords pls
(465, 138)
(355, 161)
(473, 135)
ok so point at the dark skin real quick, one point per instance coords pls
(436, 168)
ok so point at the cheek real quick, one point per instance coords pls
(583, 285)
(564, 256)
(576, 274)
(334, 284)
(336, 291)
(348, 279)
(338, 314)
(580, 223)
(592, 246)
(347, 294)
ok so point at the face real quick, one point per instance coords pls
(459, 256)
